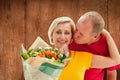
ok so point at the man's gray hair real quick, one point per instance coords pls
(97, 19)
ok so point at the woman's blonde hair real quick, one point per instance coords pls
(56, 22)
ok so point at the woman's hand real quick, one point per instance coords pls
(63, 49)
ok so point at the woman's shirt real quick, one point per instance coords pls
(79, 63)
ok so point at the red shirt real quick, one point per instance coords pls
(100, 48)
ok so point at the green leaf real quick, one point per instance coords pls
(66, 59)
(31, 52)
(25, 56)
(21, 51)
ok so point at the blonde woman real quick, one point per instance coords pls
(60, 34)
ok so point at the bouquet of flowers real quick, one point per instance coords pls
(50, 61)
(47, 52)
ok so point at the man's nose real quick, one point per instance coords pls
(76, 35)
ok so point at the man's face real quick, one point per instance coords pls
(83, 33)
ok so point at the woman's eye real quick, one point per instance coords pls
(67, 33)
(58, 32)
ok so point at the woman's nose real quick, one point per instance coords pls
(63, 36)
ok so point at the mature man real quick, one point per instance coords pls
(90, 38)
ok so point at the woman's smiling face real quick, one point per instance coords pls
(62, 34)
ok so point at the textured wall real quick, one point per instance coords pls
(21, 21)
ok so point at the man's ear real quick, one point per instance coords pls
(97, 36)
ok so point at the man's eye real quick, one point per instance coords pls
(81, 34)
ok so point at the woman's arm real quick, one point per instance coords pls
(103, 62)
